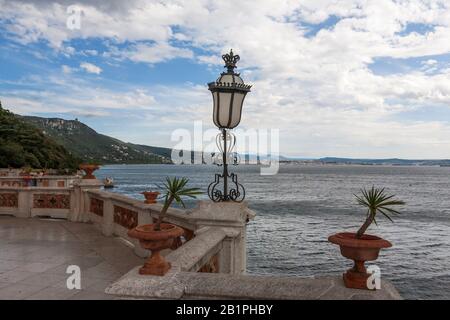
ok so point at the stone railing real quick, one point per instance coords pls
(36, 201)
(55, 202)
(38, 181)
(214, 234)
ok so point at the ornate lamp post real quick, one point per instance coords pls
(228, 93)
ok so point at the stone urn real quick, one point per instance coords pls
(359, 250)
(88, 170)
(26, 180)
(155, 241)
(150, 196)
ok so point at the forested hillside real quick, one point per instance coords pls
(92, 146)
(22, 144)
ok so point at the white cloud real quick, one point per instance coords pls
(68, 92)
(155, 53)
(429, 62)
(66, 69)
(318, 88)
(90, 68)
(90, 52)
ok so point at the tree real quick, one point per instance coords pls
(22, 144)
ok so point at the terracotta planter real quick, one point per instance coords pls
(155, 241)
(360, 250)
(150, 196)
(26, 181)
(88, 169)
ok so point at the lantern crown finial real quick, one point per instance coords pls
(230, 61)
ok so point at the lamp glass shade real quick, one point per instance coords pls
(228, 91)
(227, 108)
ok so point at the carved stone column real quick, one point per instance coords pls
(232, 218)
(81, 202)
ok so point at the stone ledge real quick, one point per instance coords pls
(191, 285)
(196, 252)
(37, 189)
(48, 177)
(138, 204)
(135, 285)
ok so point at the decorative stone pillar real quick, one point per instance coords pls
(25, 202)
(232, 217)
(81, 207)
(108, 217)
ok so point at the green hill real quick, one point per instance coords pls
(22, 144)
(91, 146)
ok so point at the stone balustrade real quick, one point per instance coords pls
(214, 238)
(27, 202)
(202, 253)
(38, 181)
(62, 197)
(214, 233)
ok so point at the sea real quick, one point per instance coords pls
(299, 207)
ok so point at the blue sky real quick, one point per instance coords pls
(367, 79)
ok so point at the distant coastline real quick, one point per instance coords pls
(371, 162)
(296, 162)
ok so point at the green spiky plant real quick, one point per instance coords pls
(377, 201)
(175, 189)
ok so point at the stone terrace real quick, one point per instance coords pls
(35, 253)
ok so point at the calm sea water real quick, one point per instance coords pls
(298, 209)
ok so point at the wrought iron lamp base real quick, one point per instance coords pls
(226, 186)
(236, 193)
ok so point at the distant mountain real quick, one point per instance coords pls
(24, 145)
(91, 146)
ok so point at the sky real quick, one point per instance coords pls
(353, 78)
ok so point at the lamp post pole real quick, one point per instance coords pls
(228, 91)
(225, 164)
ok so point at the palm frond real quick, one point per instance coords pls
(385, 214)
(376, 200)
(176, 188)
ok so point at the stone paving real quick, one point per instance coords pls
(35, 254)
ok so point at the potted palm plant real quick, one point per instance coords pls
(361, 247)
(158, 236)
